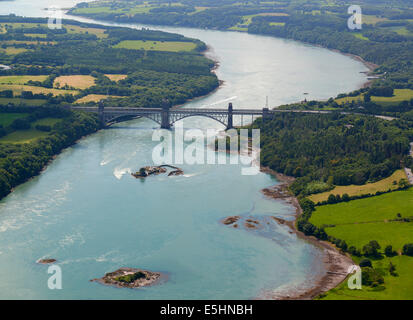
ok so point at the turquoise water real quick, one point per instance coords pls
(89, 213)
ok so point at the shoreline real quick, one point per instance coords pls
(336, 264)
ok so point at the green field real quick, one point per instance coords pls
(17, 89)
(7, 118)
(394, 233)
(396, 288)
(46, 122)
(23, 136)
(172, 46)
(400, 95)
(360, 36)
(20, 79)
(360, 221)
(19, 101)
(378, 208)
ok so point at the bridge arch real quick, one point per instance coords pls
(222, 120)
(123, 118)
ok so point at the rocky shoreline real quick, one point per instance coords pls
(336, 263)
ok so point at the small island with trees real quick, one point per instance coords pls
(130, 278)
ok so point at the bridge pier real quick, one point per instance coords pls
(230, 117)
(265, 114)
(101, 113)
(165, 121)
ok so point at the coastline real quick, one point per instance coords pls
(336, 264)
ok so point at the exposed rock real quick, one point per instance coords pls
(148, 171)
(250, 225)
(252, 221)
(130, 278)
(46, 261)
(230, 220)
(176, 173)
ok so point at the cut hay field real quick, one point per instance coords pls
(11, 51)
(171, 46)
(36, 35)
(17, 89)
(116, 77)
(20, 79)
(100, 33)
(354, 190)
(95, 98)
(75, 81)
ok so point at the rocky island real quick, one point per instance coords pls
(150, 170)
(130, 278)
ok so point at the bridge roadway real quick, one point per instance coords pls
(166, 117)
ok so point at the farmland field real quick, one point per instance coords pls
(20, 79)
(399, 96)
(396, 288)
(354, 190)
(23, 136)
(171, 46)
(46, 122)
(13, 51)
(75, 81)
(20, 101)
(100, 33)
(377, 208)
(94, 98)
(17, 89)
(7, 118)
(116, 77)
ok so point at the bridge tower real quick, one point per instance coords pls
(265, 114)
(165, 123)
(230, 117)
(101, 112)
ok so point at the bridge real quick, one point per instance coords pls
(166, 116)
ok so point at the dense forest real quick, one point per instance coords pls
(326, 150)
(20, 162)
